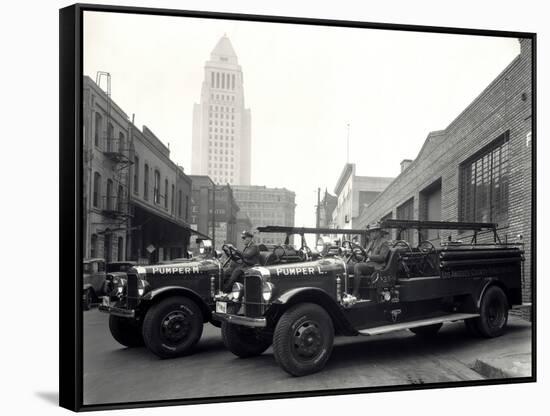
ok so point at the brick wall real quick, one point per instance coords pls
(504, 106)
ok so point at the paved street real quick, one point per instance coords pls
(116, 374)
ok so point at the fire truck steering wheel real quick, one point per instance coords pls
(232, 253)
(402, 243)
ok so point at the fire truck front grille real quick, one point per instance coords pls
(253, 296)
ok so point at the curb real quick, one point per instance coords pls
(517, 365)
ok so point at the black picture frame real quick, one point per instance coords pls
(70, 215)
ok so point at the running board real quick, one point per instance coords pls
(414, 324)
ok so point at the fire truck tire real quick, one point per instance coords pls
(126, 331)
(426, 331)
(493, 313)
(244, 342)
(172, 327)
(303, 339)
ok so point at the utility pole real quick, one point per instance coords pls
(318, 222)
(214, 216)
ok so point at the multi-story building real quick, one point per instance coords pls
(266, 206)
(136, 200)
(353, 194)
(214, 211)
(221, 123)
(326, 208)
(478, 169)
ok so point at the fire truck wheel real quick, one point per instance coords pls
(172, 327)
(303, 339)
(126, 331)
(493, 313)
(244, 342)
(426, 331)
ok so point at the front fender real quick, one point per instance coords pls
(321, 298)
(166, 291)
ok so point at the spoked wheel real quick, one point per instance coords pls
(303, 339)
(88, 299)
(172, 327)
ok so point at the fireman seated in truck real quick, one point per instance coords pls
(249, 257)
(377, 253)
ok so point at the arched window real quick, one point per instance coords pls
(110, 136)
(146, 182)
(97, 189)
(120, 249)
(121, 142)
(97, 128)
(136, 174)
(93, 246)
(107, 246)
(172, 202)
(156, 188)
(166, 193)
(109, 203)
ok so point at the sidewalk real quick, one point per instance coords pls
(503, 357)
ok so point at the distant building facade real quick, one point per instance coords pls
(478, 169)
(136, 200)
(353, 193)
(214, 211)
(221, 123)
(327, 206)
(266, 206)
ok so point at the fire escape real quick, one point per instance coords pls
(115, 202)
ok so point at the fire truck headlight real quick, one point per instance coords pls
(237, 291)
(267, 291)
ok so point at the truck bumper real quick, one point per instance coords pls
(109, 308)
(240, 320)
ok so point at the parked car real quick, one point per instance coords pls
(298, 308)
(94, 282)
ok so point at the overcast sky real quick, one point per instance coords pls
(303, 85)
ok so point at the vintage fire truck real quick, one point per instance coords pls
(298, 308)
(165, 306)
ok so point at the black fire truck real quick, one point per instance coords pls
(299, 308)
(165, 306)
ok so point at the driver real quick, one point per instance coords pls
(376, 256)
(251, 257)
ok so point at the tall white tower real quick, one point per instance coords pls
(221, 124)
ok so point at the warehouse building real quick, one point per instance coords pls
(477, 169)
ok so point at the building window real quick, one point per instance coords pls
(156, 188)
(120, 249)
(110, 137)
(97, 132)
(172, 202)
(93, 246)
(97, 190)
(232, 82)
(121, 142)
(136, 174)
(223, 81)
(166, 193)
(120, 198)
(186, 207)
(212, 80)
(484, 180)
(179, 203)
(146, 182)
(217, 81)
(109, 203)
(406, 212)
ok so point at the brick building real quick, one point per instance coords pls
(479, 168)
(266, 206)
(136, 199)
(214, 210)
